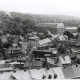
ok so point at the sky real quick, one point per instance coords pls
(50, 7)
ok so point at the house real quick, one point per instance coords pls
(36, 74)
(65, 60)
(37, 43)
(49, 56)
(44, 41)
(52, 71)
(60, 37)
(14, 52)
(42, 53)
(55, 28)
(72, 29)
(33, 38)
(71, 72)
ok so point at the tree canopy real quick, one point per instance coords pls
(17, 23)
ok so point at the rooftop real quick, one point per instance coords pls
(44, 41)
(71, 72)
(49, 24)
(33, 74)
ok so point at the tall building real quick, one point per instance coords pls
(55, 28)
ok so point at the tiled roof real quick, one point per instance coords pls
(34, 73)
(71, 72)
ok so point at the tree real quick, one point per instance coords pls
(70, 35)
(7, 45)
(61, 48)
(28, 31)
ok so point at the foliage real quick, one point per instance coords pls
(18, 23)
(70, 35)
(61, 48)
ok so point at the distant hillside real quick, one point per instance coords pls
(17, 23)
(67, 20)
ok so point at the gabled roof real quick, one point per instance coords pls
(37, 74)
(12, 77)
(33, 73)
(68, 72)
(44, 41)
(71, 72)
(65, 60)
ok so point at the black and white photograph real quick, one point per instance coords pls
(39, 39)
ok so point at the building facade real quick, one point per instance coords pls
(54, 28)
(72, 29)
